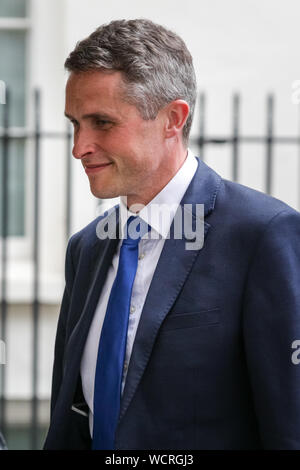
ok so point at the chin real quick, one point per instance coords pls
(103, 193)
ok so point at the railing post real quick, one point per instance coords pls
(235, 135)
(68, 180)
(269, 143)
(202, 103)
(4, 235)
(35, 303)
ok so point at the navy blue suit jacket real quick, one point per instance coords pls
(211, 365)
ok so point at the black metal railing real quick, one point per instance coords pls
(7, 135)
(269, 140)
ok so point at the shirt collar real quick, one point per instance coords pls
(160, 211)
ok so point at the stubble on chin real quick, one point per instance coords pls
(104, 191)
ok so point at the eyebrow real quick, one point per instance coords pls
(104, 117)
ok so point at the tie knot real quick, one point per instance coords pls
(134, 229)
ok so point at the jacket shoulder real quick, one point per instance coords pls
(249, 204)
(245, 215)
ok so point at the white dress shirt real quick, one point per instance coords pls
(159, 214)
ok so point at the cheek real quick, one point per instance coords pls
(134, 151)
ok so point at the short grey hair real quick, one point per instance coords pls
(156, 66)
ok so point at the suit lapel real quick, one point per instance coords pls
(174, 259)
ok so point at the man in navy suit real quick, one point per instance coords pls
(211, 330)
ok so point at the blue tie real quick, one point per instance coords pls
(112, 345)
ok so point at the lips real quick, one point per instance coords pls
(96, 167)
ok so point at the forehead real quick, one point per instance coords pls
(94, 86)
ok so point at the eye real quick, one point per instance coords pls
(103, 124)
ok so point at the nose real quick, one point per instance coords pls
(83, 144)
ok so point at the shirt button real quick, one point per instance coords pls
(132, 309)
(142, 255)
(125, 365)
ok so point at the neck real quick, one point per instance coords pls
(167, 171)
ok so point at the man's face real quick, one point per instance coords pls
(122, 153)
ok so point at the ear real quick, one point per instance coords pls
(177, 113)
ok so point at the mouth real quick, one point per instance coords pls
(90, 169)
